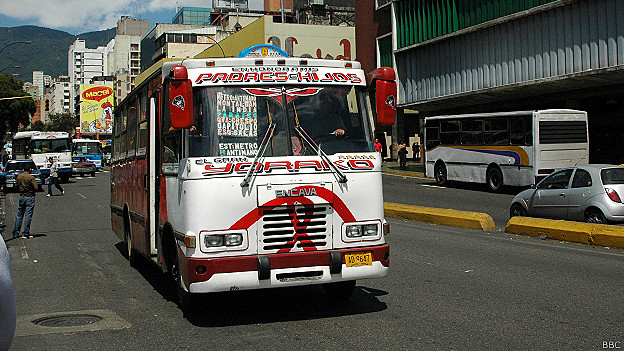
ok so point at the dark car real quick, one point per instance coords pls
(15, 167)
(81, 164)
(589, 193)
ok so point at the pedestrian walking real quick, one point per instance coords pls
(27, 186)
(378, 146)
(415, 150)
(402, 156)
(53, 179)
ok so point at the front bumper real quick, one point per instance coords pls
(280, 270)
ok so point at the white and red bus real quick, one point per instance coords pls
(254, 172)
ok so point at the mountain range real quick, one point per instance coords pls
(47, 51)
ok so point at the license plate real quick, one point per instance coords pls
(356, 259)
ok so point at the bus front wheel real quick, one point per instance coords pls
(494, 179)
(440, 174)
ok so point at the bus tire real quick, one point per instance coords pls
(494, 179)
(132, 255)
(440, 174)
(184, 297)
(339, 291)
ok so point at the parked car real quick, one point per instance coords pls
(15, 167)
(81, 164)
(588, 193)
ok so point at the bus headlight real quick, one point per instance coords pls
(213, 240)
(366, 230)
(233, 239)
(226, 240)
(354, 231)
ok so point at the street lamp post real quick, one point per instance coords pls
(27, 42)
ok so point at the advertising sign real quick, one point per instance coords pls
(96, 109)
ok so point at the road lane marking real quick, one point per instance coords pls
(82, 196)
(433, 186)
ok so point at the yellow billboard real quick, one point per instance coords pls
(96, 109)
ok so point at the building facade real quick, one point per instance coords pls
(487, 56)
(60, 96)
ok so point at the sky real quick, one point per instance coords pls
(81, 16)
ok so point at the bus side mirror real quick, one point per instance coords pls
(382, 82)
(180, 98)
(385, 102)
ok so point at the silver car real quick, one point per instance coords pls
(585, 193)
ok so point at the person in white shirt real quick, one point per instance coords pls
(54, 178)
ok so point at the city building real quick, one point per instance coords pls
(59, 96)
(175, 41)
(487, 56)
(84, 64)
(200, 16)
(298, 40)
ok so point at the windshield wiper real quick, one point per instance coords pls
(342, 178)
(259, 154)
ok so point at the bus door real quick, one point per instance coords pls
(151, 179)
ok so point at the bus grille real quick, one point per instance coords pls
(295, 229)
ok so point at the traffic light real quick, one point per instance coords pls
(47, 104)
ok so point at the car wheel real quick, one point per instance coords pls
(517, 210)
(440, 174)
(593, 215)
(494, 180)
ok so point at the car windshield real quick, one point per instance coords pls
(232, 121)
(612, 176)
(19, 166)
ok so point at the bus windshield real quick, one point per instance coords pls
(42, 146)
(232, 121)
(87, 148)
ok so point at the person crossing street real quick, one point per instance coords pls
(54, 178)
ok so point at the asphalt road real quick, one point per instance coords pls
(456, 196)
(449, 289)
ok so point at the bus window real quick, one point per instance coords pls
(449, 132)
(472, 132)
(496, 132)
(432, 136)
(528, 131)
(516, 129)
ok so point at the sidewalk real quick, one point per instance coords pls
(413, 168)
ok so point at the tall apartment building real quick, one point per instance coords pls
(59, 95)
(125, 49)
(41, 82)
(84, 64)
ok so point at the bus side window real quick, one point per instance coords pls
(432, 137)
(472, 132)
(528, 131)
(496, 132)
(171, 141)
(449, 133)
(516, 128)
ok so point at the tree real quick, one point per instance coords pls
(14, 112)
(37, 125)
(62, 122)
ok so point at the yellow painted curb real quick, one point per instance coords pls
(464, 219)
(586, 233)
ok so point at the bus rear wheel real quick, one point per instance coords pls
(440, 174)
(494, 179)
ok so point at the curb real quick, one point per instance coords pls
(417, 175)
(463, 219)
(585, 233)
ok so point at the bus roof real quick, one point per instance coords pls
(40, 135)
(86, 141)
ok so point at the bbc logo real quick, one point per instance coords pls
(610, 345)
